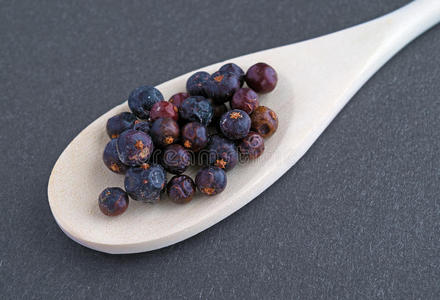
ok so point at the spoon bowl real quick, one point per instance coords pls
(316, 78)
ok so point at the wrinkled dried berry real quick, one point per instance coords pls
(252, 145)
(235, 124)
(113, 201)
(194, 136)
(164, 131)
(262, 78)
(142, 126)
(181, 189)
(245, 99)
(111, 158)
(195, 85)
(142, 99)
(164, 109)
(176, 159)
(134, 147)
(119, 123)
(211, 180)
(264, 121)
(222, 153)
(178, 98)
(233, 68)
(221, 86)
(145, 183)
(196, 108)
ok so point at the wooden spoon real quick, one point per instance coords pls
(316, 79)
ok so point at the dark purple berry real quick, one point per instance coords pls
(164, 109)
(195, 85)
(181, 189)
(252, 145)
(142, 99)
(196, 108)
(235, 124)
(264, 121)
(221, 86)
(178, 98)
(222, 153)
(113, 201)
(176, 159)
(119, 123)
(262, 78)
(142, 126)
(245, 99)
(145, 183)
(211, 180)
(134, 147)
(233, 68)
(164, 131)
(111, 158)
(194, 136)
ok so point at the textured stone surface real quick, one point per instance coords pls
(357, 217)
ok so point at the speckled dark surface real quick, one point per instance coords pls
(357, 217)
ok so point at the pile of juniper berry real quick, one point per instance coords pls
(160, 136)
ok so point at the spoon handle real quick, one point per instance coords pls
(353, 55)
(381, 38)
(408, 22)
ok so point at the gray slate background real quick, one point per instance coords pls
(357, 217)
